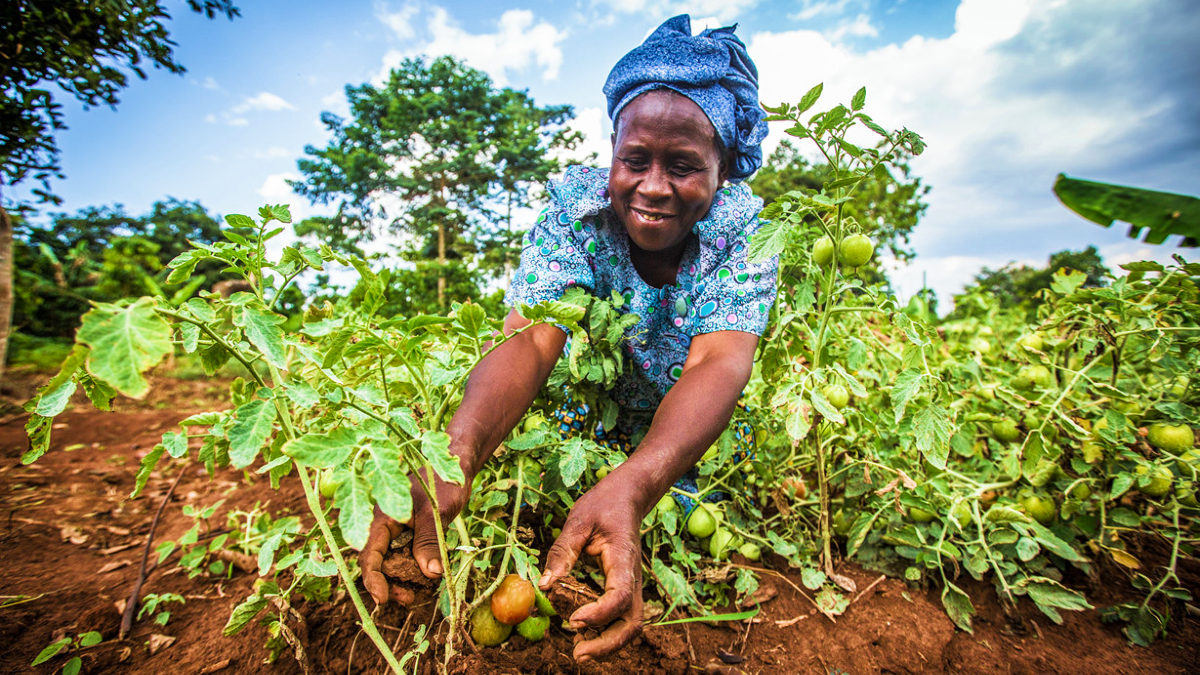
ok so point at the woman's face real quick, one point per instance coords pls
(666, 168)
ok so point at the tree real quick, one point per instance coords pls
(425, 155)
(85, 49)
(103, 254)
(887, 209)
(1016, 286)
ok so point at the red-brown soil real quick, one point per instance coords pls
(66, 517)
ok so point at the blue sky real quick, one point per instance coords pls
(1008, 93)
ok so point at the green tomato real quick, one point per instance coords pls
(1160, 481)
(667, 503)
(822, 252)
(920, 515)
(534, 421)
(534, 628)
(1036, 376)
(720, 543)
(988, 391)
(961, 514)
(710, 453)
(602, 472)
(701, 523)
(836, 394)
(856, 250)
(1185, 492)
(1081, 491)
(486, 631)
(1030, 341)
(980, 345)
(1188, 463)
(1005, 430)
(1179, 387)
(751, 551)
(841, 524)
(1040, 509)
(1173, 438)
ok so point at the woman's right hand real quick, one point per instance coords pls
(451, 500)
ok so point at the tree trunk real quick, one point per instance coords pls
(441, 264)
(6, 285)
(442, 244)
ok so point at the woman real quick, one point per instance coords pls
(660, 227)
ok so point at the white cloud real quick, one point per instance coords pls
(722, 10)
(236, 121)
(810, 9)
(593, 124)
(399, 22)
(210, 118)
(1021, 91)
(519, 43)
(263, 101)
(272, 153)
(859, 26)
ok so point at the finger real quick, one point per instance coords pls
(370, 560)
(563, 554)
(402, 595)
(425, 544)
(613, 638)
(622, 586)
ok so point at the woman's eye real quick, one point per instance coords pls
(682, 170)
(634, 163)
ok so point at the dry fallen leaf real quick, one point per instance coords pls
(114, 565)
(214, 667)
(845, 582)
(159, 641)
(73, 534)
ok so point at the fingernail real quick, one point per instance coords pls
(435, 566)
(576, 625)
(544, 580)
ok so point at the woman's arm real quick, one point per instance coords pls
(605, 522)
(499, 391)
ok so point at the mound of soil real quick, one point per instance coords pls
(71, 543)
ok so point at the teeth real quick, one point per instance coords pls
(650, 217)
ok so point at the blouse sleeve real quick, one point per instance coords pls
(557, 252)
(733, 293)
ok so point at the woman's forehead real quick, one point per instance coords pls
(665, 109)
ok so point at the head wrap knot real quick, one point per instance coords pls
(713, 70)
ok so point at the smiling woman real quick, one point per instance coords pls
(664, 230)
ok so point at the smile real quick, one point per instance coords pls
(648, 216)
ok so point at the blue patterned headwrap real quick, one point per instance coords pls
(713, 70)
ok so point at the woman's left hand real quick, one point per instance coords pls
(603, 523)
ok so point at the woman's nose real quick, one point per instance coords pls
(655, 184)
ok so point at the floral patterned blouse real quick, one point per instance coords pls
(579, 241)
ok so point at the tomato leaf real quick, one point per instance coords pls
(354, 510)
(147, 466)
(263, 331)
(389, 485)
(125, 341)
(250, 431)
(1049, 594)
(958, 606)
(933, 428)
(435, 446)
(322, 451)
(906, 386)
(244, 613)
(572, 460)
(175, 443)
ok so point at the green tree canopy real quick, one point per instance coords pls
(102, 254)
(436, 154)
(86, 48)
(1020, 286)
